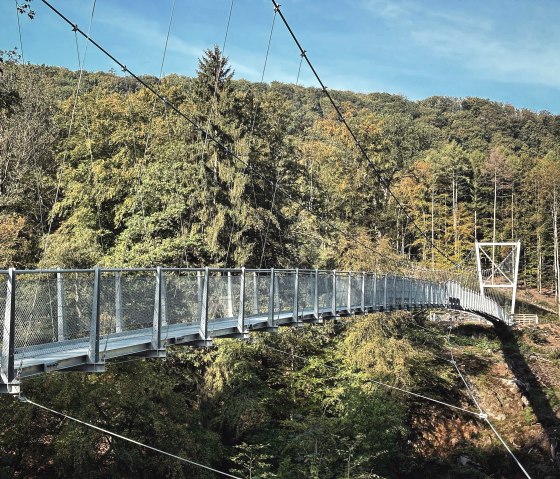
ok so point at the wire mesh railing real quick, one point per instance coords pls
(53, 313)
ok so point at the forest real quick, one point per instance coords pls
(111, 175)
(94, 170)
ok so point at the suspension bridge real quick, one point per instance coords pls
(62, 319)
(77, 319)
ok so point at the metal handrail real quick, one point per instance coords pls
(60, 312)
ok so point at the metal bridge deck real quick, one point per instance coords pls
(78, 319)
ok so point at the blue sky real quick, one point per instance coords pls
(504, 50)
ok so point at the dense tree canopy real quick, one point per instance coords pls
(109, 175)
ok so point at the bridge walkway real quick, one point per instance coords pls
(78, 319)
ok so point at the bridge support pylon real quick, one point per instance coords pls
(498, 266)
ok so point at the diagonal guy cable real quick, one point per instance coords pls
(124, 438)
(382, 181)
(389, 386)
(482, 414)
(207, 134)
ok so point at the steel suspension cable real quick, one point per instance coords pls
(59, 183)
(149, 132)
(299, 68)
(210, 136)
(276, 183)
(81, 62)
(19, 32)
(382, 181)
(483, 415)
(386, 385)
(20, 11)
(124, 438)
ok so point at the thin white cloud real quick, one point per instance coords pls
(149, 36)
(474, 42)
(245, 71)
(145, 31)
(389, 9)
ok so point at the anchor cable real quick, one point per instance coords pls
(124, 438)
(382, 181)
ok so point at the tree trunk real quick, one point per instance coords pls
(433, 233)
(455, 219)
(556, 252)
(494, 223)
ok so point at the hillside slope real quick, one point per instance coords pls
(302, 404)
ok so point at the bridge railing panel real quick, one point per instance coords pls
(75, 304)
(417, 297)
(356, 284)
(127, 300)
(257, 291)
(325, 289)
(370, 291)
(35, 311)
(306, 292)
(4, 337)
(342, 290)
(380, 291)
(53, 311)
(223, 295)
(400, 292)
(183, 296)
(391, 290)
(284, 288)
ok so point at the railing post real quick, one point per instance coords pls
(256, 292)
(349, 296)
(411, 283)
(363, 298)
(93, 353)
(203, 294)
(199, 288)
(271, 299)
(375, 303)
(156, 328)
(394, 304)
(333, 299)
(429, 293)
(118, 303)
(241, 314)
(229, 296)
(277, 301)
(8, 337)
(163, 298)
(60, 307)
(385, 293)
(316, 295)
(296, 297)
